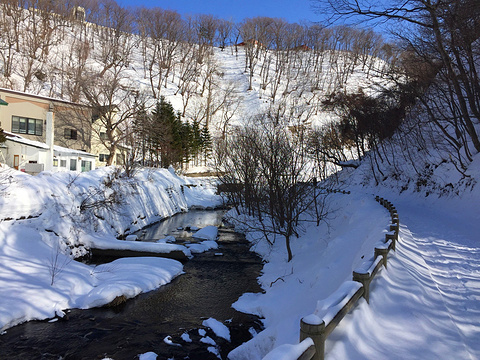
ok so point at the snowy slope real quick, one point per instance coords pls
(218, 83)
(426, 304)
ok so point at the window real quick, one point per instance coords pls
(70, 134)
(103, 157)
(73, 164)
(86, 165)
(28, 126)
(63, 163)
(103, 135)
(55, 162)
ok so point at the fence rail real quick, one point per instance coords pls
(319, 325)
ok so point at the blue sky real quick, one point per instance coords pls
(291, 10)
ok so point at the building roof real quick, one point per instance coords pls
(58, 150)
(15, 92)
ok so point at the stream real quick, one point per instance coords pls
(212, 282)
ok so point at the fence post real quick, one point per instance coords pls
(395, 219)
(364, 279)
(316, 332)
(383, 252)
(393, 227)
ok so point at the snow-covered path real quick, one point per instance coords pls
(426, 305)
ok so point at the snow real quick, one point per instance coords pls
(329, 307)
(207, 233)
(368, 266)
(148, 356)
(25, 280)
(208, 340)
(425, 305)
(288, 351)
(185, 337)
(214, 351)
(168, 340)
(39, 279)
(218, 328)
(202, 246)
(154, 247)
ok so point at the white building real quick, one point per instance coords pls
(32, 156)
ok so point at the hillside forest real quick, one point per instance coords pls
(335, 94)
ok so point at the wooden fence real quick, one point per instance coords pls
(319, 326)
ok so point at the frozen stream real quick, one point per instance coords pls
(211, 283)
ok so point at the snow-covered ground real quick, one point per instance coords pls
(425, 305)
(47, 219)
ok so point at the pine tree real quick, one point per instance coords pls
(196, 140)
(206, 141)
(163, 138)
(141, 129)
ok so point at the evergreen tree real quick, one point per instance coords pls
(172, 142)
(163, 138)
(142, 131)
(206, 143)
(196, 140)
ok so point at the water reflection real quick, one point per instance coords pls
(177, 225)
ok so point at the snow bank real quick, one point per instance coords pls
(54, 216)
(39, 281)
(148, 356)
(324, 258)
(368, 266)
(153, 247)
(331, 306)
(202, 247)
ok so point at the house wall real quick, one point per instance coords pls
(29, 154)
(98, 147)
(66, 116)
(22, 106)
(63, 162)
(73, 118)
(25, 154)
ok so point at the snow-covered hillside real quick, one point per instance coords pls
(425, 305)
(213, 86)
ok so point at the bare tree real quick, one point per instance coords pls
(114, 105)
(446, 29)
(163, 34)
(224, 33)
(256, 40)
(268, 178)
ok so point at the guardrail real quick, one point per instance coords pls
(333, 309)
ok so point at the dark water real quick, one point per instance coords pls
(211, 283)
